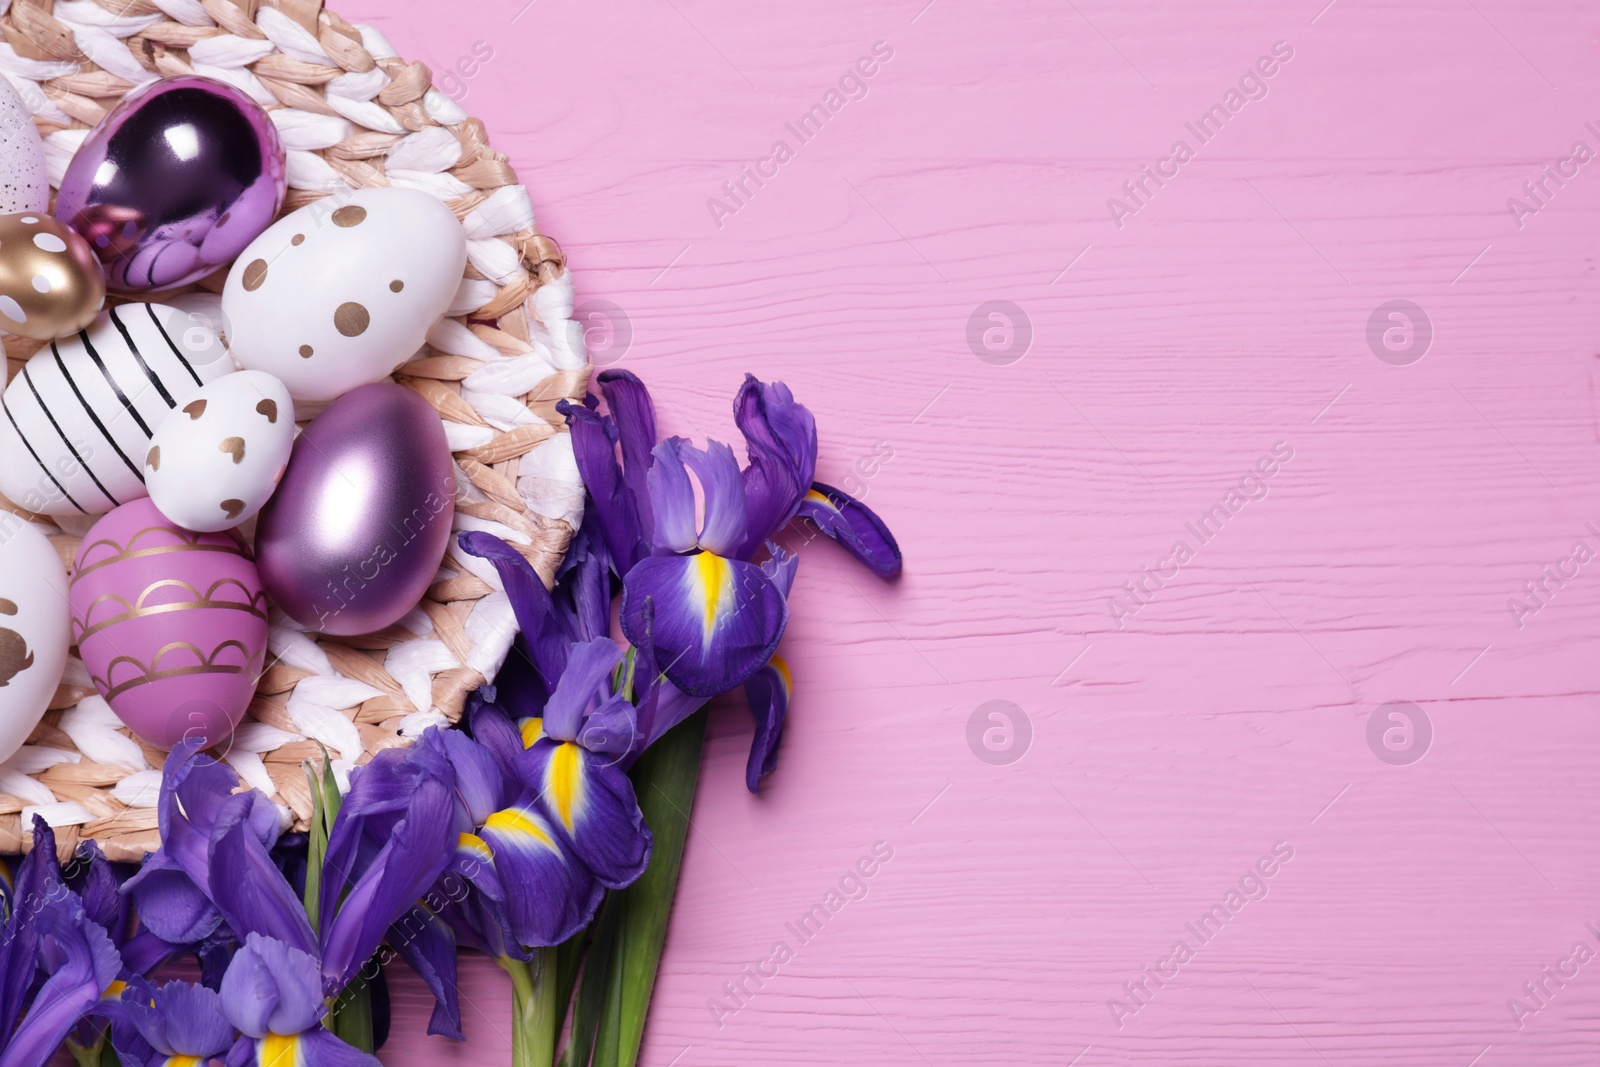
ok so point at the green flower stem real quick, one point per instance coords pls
(536, 1011)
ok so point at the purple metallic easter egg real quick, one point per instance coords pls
(174, 183)
(171, 624)
(355, 533)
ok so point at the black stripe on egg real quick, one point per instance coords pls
(112, 441)
(27, 378)
(133, 348)
(88, 346)
(167, 337)
(48, 473)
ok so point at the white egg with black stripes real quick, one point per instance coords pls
(76, 420)
(215, 461)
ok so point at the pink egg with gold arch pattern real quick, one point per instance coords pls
(171, 624)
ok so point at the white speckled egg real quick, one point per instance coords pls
(34, 633)
(342, 291)
(24, 185)
(215, 461)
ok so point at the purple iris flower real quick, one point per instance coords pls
(175, 1023)
(273, 994)
(691, 586)
(391, 842)
(47, 933)
(172, 891)
(565, 816)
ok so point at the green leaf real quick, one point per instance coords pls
(350, 1018)
(592, 987)
(664, 779)
(316, 848)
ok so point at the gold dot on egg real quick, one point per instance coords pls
(298, 239)
(153, 460)
(232, 507)
(351, 319)
(269, 408)
(194, 409)
(254, 275)
(305, 351)
(51, 284)
(349, 215)
(233, 446)
(396, 285)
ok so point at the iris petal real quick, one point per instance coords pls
(171, 889)
(672, 497)
(425, 941)
(591, 803)
(855, 526)
(711, 621)
(633, 414)
(781, 439)
(179, 1019)
(271, 988)
(528, 851)
(546, 638)
(723, 530)
(314, 1048)
(583, 585)
(767, 693)
(586, 682)
(611, 502)
(39, 878)
(80, 962)
(612, 728)
(410, 861)
(251, 893)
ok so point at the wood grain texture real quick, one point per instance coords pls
(1227, 314)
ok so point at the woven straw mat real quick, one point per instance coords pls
(352, 114)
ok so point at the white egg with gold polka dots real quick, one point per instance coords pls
(214, 461)
(342, 291)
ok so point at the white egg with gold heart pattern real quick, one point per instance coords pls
(215, 461)
(342, 291)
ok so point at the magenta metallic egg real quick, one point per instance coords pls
(355, 532)
(171, 624)
(174, 183)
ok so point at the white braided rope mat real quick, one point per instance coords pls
(352, 114)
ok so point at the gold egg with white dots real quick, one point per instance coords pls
(50, 281)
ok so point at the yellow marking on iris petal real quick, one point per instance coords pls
(817, 498)
(517, 821)
(278, 1050)
(182, 1061)
(710, 580)
(783, 672)
(564, 782)
(532, 730)
(476, 845)
(114, 990)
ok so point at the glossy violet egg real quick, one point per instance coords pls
(171, 624)
(355, 532)
(174, 183)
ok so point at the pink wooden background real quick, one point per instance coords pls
(1225, 315)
